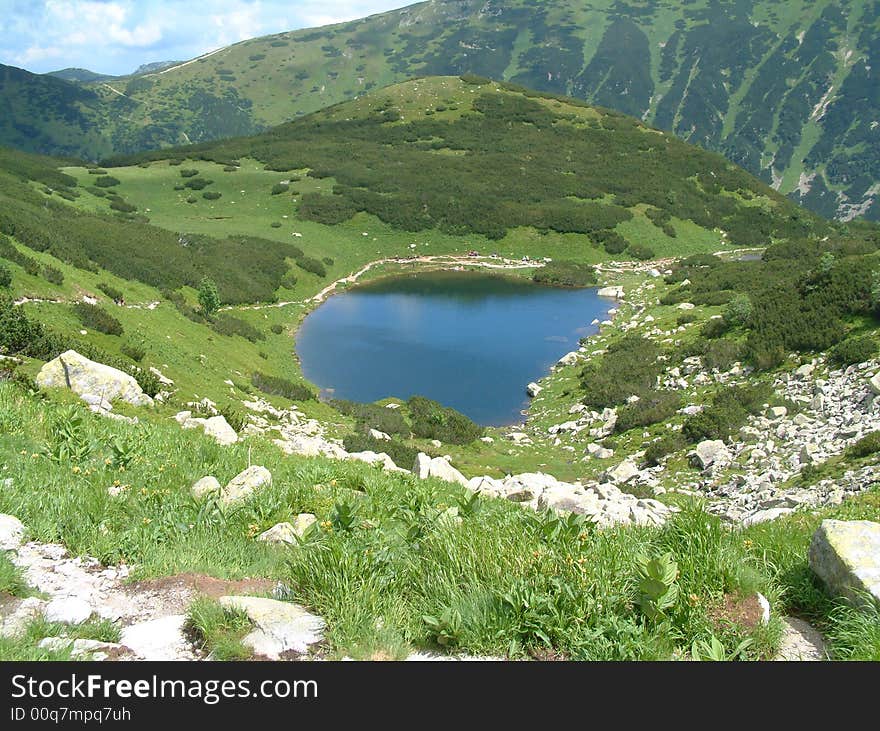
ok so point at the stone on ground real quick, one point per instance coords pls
(158, 639)
(845, 555)
(279, 626)
(279, 533)
(12, 532)
(83, 376)
(800, 642)
(206, 486)
(245, 483)
(438, 467)
(68, 610)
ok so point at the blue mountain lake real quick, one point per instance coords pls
(471, 341)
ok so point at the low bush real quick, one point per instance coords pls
(211, 195)
(565, 274)
(373, 416)
(5, 276)
(651, 409)
(52, 274)
(280, 188)
(629, 368)
(278, 386)
(854, 350)
(229, 326)
(113, 293)
(640, 252)
(728, 411)
(106, 181)
(235, 416)
(97, 318)
(666, 445)
(403, 455)
(312, 265)
(431, 420)
(197, 183)
(134, 349)
(277, 329)
(866, 446)
(123, 206)
(188, 173)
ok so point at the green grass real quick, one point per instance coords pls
(217, 630)
(386, 569)
(11, 580)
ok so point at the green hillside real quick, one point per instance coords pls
(785, 89)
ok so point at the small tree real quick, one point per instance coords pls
(739, 310)
(5, 276)
(209, 297)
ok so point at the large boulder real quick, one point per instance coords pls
(244, 484)
(711, 452)
(438, 467)
(622, 473)
(87, 378)
(845, 555)
(216, 427)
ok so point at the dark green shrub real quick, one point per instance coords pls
(188, 173)
(137, 351)
(373, 416)
(664, 446)
(714, 328)
(113, 293)
(403, 455)
(97, 318)
(628, 368)
(278, 386)
(685, 318)
(191, 199)
(640, 252)
(277, 329)
(123, 206)
(198, 183)
(106, 181)
(721, 353)
(312, 265)
(53, 274)
(431, 420)
(235, 416)
(275, 224)
(565, 274)
(328, 261)
(728, 411)
(5, 276)
(230, 326)
(854, 350)
(280, 188)
(651, 409)
(211, 195)
(866, 446)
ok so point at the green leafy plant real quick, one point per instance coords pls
(712, 649)
(445, 630)
(344, 518)
(657, 585)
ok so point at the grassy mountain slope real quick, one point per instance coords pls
(472, 157)
(785, 89)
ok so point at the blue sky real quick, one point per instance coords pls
(117, 36)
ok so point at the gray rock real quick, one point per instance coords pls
(68, 610)
(622, 473)
(243, 485)
(83, 376)
(12, 532)
(845, 555)
(15, 624)
(438, 467)
(710, 453)
(533, 389)
(158, 639)
(206, 486)
(280, 626)
(762, 516)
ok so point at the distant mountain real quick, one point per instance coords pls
(155, 67)
(80, 76)
(788, 89)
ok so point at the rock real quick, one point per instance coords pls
(182, 417)
(487, 440)
(438, 467)
(96, 402)
(68, 610)
(805, 370)
(303, 522)
(616, 292)
(776, 412)
(15, 624)
(279, 533)
(800, 642)
(569, 359)
(94, 650)
(12, 532)
(623, 473)
(711, 452)
(597, 451)
(280, 626)
(762, 516)
(219, 428)
(376, 434)
(686, 306)
(533, 389)
(376, 458)
(163, 379)
(158, 639)
(83, 376)
(206, 486)
(874, 383)
(243, 485)
(307, 446)
(845, 555)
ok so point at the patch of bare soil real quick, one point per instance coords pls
(203, 585)
(744, 611)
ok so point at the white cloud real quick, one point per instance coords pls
(116, 36)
